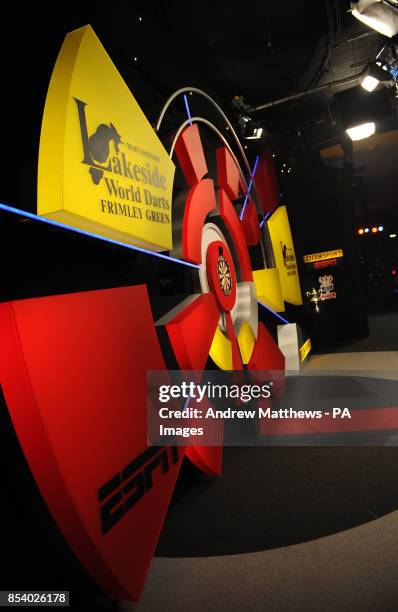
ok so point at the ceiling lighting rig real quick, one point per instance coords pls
(251, 130)
(379, 15)
(376, 72)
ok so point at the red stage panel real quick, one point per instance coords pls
(234, 226)
(191, 332)
(73, 371)
(190, 154)
(206, 458)
(228, 174)
(250, 224)
(266, 182)
(200, 201)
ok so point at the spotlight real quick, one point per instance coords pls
(378, 15)
(393, 235)
(366, 230)
(380, 228)
(374, 73)
(374, 230)
(359, 132)
(256, 134)
(360, 232)
(369, 82)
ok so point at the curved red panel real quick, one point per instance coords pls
(266, 353)
(267, 356)
(266, 182)
(231, 219)
(200, 201)
(208, 459)
(236, 356)
(228, 174)
(190, 154)
(250, 224)
(191, 332)
(75, 386)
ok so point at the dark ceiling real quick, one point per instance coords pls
(261, 51)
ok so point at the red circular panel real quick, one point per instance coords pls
(221, 275)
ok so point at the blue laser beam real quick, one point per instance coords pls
(187, 108)
(273, 312)
(242, 212)
(264, 219)
(28, 215)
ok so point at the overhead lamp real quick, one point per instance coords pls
(378, 15)
(393, 235)
(366, 230)
(375, 72)
(257, 133)
(359, 132)
(374, 230)
(380, 228)
(360, 232)
(369, 82)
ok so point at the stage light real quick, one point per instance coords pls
(360, 232)
(369, 82)
(359, 132)
(374, 73)
(257, 133)
(380, 228)
(378, 15)
(366, 230)
(394, 272)
(393, 235)
(374, 230)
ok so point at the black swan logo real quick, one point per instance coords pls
(99, 145)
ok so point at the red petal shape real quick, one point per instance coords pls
(228, 174)
(250, 224)
(236, 357)
(266, 354)
(231, 219)
(189, 151)
(192, 330)
(266, 182)
(73, 372)
(208, 459)
(200, 201)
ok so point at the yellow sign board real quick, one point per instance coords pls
(268, 287)
(305, 349)
(102, 168)
(323, 256)
(285, 258)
